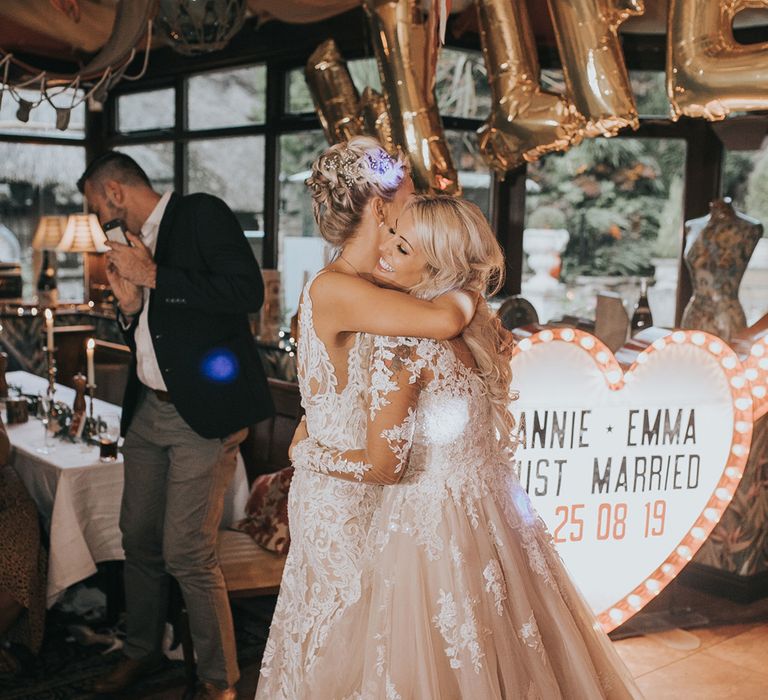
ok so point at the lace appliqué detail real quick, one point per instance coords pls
(456, 556)
(308, 454)
(529, 635)
(493, 531)
(607, 680)
(459, 636)
(494, 584)
(399, 439)
(391, 691)
(391, 355)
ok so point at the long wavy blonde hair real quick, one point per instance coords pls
(462, 253)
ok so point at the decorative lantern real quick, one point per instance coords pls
(200, 26)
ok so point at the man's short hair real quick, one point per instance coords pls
(114, 165)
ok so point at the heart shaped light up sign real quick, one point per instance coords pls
(630, 471)
(756, 372)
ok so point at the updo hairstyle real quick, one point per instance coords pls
(345, 178)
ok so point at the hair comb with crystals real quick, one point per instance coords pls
(375, 165)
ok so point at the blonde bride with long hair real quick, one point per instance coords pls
(462, 593)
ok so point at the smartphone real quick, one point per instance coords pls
(114, 230)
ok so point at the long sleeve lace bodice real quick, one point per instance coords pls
(412, 383)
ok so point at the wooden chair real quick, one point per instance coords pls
(111, 365)
(248, 569)
(70, 351)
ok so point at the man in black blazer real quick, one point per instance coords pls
(184, 284)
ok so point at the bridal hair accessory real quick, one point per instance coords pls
(387, 170)
(375, 165)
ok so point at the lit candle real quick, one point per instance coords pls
(49, 328)
(89, 356)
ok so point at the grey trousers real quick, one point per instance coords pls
(175, 481)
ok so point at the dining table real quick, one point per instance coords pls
(77, 495)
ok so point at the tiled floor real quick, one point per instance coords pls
(686, 645)
(716, 663)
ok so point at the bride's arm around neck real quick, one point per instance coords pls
(346, 304)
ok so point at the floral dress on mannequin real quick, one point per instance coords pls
(717, 254)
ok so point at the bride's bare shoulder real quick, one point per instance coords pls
(336, 287)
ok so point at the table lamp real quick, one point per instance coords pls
(48, 234)
(83, 234)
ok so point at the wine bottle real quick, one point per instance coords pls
(47, 293)
(642, 317)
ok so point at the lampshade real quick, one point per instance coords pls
(49, 231)
(82, 235)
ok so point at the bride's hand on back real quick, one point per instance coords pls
(460, 300)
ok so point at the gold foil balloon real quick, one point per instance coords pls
(595, 73)
(406, 51)
(373, 111)
(336, 98)
(709, 74)
(525, 121)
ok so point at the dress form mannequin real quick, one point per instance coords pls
(717, 252)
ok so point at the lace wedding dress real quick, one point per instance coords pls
(463, 593)
(329, 520)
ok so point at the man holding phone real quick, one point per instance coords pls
(185, 280)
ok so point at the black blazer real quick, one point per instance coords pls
(207, 283)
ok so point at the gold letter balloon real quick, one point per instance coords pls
(336, 98)
(595, 74)
(373, 110)
(709, 74)
(525, 121)
(406, 51)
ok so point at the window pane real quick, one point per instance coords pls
(474, 175)
(232, 169)
(157, 161)
(299, 97)
(462, 84)
(42, 118)
(227, 98)
(146, 110)
(301, 251)
(363, 71)
(620, 203)
(650, 90)
(745, 180)
(36, 180)
(648, 87)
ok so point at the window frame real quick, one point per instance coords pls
(281, 53)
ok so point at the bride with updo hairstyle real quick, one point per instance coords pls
(345, 178)
(358, 192)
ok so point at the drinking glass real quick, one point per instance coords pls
(109, 434)
(44, 414)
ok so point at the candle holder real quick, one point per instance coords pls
(50, 354)
(91, 388)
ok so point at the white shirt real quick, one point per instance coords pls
(146, 361)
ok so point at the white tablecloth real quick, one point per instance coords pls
(77, 495)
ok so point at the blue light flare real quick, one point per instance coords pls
(221, 366)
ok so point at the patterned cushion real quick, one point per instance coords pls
(266, 513)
